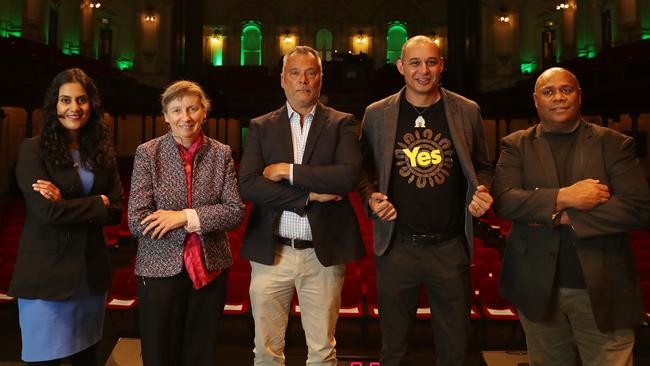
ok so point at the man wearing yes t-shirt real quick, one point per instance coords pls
(426, 174)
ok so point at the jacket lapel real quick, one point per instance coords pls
(281, 120)
(99, 176)
(176, 167)
(317, 125)
(545, 157)
(391, 114)
(584, 144)
(455, 124)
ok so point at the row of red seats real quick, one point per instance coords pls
(640, 241)
(359, 294)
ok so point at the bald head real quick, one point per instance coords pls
(554, 71)
(421, 66)
(558, 99)
(424, 40)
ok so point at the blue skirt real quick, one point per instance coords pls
(56, 329)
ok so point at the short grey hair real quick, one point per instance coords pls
(182, 88)
(302, 50)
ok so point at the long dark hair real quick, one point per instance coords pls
(94, 145)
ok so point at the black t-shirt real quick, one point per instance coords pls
(569, 270)
(427, 186)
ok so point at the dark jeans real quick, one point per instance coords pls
(444, 271)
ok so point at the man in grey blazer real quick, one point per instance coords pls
(573, 190)
(426, 173)
(299, 164)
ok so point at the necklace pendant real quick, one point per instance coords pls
(420, 122)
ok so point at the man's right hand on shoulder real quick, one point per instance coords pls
(583, 195)
(381, 207)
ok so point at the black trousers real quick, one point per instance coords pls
(444, 271)
(178, 324)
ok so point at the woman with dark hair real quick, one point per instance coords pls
(71, 186)
(184, 198)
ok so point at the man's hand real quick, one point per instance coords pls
(565, 219)
(161, 222)
(105, 200)
(276, 172)
(583, 195)
(481, 201)
(324, 197)
(380, 205)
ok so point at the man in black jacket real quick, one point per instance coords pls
(573, 190)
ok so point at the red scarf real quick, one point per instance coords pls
(193, 252)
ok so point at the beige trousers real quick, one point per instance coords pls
(319, 294)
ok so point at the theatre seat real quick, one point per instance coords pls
(493, 306)
(644, 270)
(237, 297)
(241, 266)
(124, 292)
(6, 271)
(351, 298)
(423, 311)
(372, 300)
(645, 289)
(487, 255)
(642, 255)
(477, 271)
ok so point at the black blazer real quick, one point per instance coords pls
(63, 241)
(330, 164)
(525, 191)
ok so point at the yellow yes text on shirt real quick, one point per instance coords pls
(422, 158)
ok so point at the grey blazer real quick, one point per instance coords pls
(379, 129)
(158, 183)
(525, 191)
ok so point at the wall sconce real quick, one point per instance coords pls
(561, 6)
(434, 38)
(361, 38)
(503, 16)
(216, 37)
(287, 37)
(90, 4)
(149, 16)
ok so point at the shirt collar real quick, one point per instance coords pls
(191, 151)
(291, 111)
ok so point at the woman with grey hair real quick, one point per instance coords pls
(183, 199)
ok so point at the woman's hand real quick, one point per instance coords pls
(48, 190)
(162, 222)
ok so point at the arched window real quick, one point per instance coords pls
(216, 49)
(395, 38)
(324, 44)
(251, 44)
